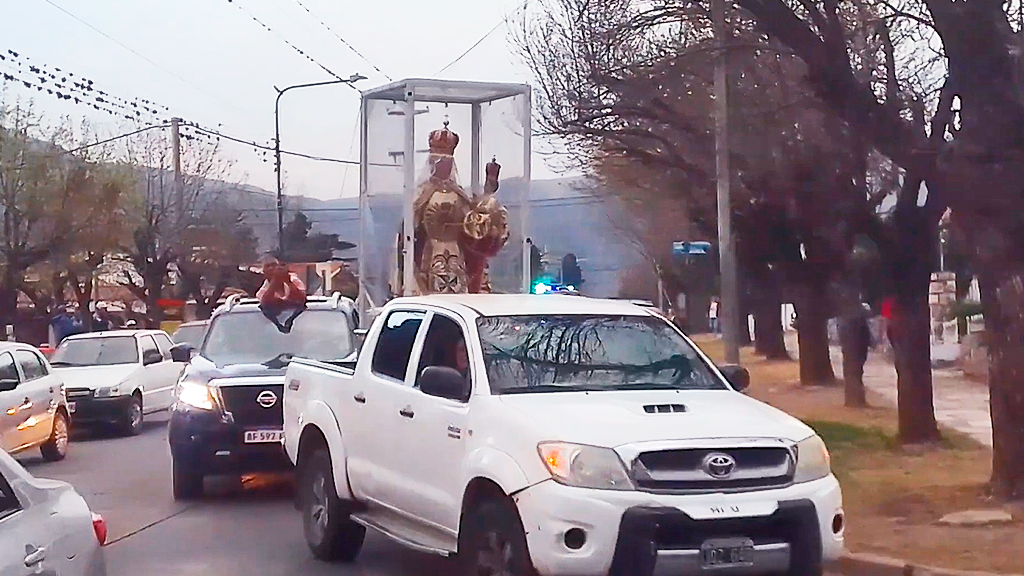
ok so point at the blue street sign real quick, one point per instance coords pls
(690, 248)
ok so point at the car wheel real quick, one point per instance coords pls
(492, 541)
(131, 422)
(330, 533)
(187, 482)
(56, 448)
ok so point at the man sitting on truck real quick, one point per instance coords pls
(282, 290)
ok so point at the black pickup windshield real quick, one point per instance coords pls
(526, 354)
(250, 338)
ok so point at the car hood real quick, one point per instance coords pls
(617, 418)
(93, 377)
(202, 369)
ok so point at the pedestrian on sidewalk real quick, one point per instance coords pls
(713, 315)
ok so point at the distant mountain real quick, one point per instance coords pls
(562, 218)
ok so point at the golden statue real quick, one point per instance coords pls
(455, 234)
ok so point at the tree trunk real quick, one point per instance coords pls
(854, 394)
(910, 334)
(812, 331)
(855, 340)
(769, 338)
(8, 299)
(1002, 299)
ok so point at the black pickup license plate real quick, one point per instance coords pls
(727, 552)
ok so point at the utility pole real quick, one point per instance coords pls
(179, 187)
(729, 311)
(277, 147)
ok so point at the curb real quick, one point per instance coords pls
(862, 564)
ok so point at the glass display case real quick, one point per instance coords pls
(412, 129)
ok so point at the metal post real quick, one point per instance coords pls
(277, 146)
(364, 176)
(277, 169)
(409, 196)
(524, 203)
(729, 312)
(475, 162)
(179, 187)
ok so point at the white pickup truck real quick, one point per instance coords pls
(554, 435)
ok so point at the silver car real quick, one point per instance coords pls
(46, 527)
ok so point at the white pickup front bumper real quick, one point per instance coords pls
(795, 529)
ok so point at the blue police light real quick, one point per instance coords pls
(541, 288)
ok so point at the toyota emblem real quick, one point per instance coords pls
(267, 399)
(719, 465)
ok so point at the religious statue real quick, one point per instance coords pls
(485, 231)
(455, 233)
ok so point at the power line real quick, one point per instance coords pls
(286, 41)
(342, 40)
(137, 53)
(209, 132)
(115, 138)
(482, 38)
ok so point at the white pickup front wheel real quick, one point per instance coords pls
(330, 533)
(493, 541)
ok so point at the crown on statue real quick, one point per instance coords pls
(443, 141)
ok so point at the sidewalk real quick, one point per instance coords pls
(960, 404)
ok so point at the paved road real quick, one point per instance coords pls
(252, 531)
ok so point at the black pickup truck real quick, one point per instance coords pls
(227, 417)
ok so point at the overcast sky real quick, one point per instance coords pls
(209, 62)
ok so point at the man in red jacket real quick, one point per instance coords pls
(282, 290)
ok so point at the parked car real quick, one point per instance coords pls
(46, 527)
(554, 436)
(117, 377)
(191, 333)
(227, 417)
(34, 411)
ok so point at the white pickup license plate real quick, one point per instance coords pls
(264, 436)
(727, 552)
(71, 407)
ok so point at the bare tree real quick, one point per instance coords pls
(161, 235)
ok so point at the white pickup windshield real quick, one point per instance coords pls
(251, 338)
(526, 354)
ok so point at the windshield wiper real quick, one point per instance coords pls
(279, 361)
(553, 388)
(646, 386)
(62, 363)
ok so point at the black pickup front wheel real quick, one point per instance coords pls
(330, 532)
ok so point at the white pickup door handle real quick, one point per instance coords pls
(34, 555)
(360, 397)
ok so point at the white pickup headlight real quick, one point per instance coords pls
(812, 460)
(196, 395)
(585, 466)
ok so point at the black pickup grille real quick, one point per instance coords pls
(241, 402)
(685, 469)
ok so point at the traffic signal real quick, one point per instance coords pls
(572, 275)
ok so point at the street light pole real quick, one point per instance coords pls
(729, 311)
(277, 147)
